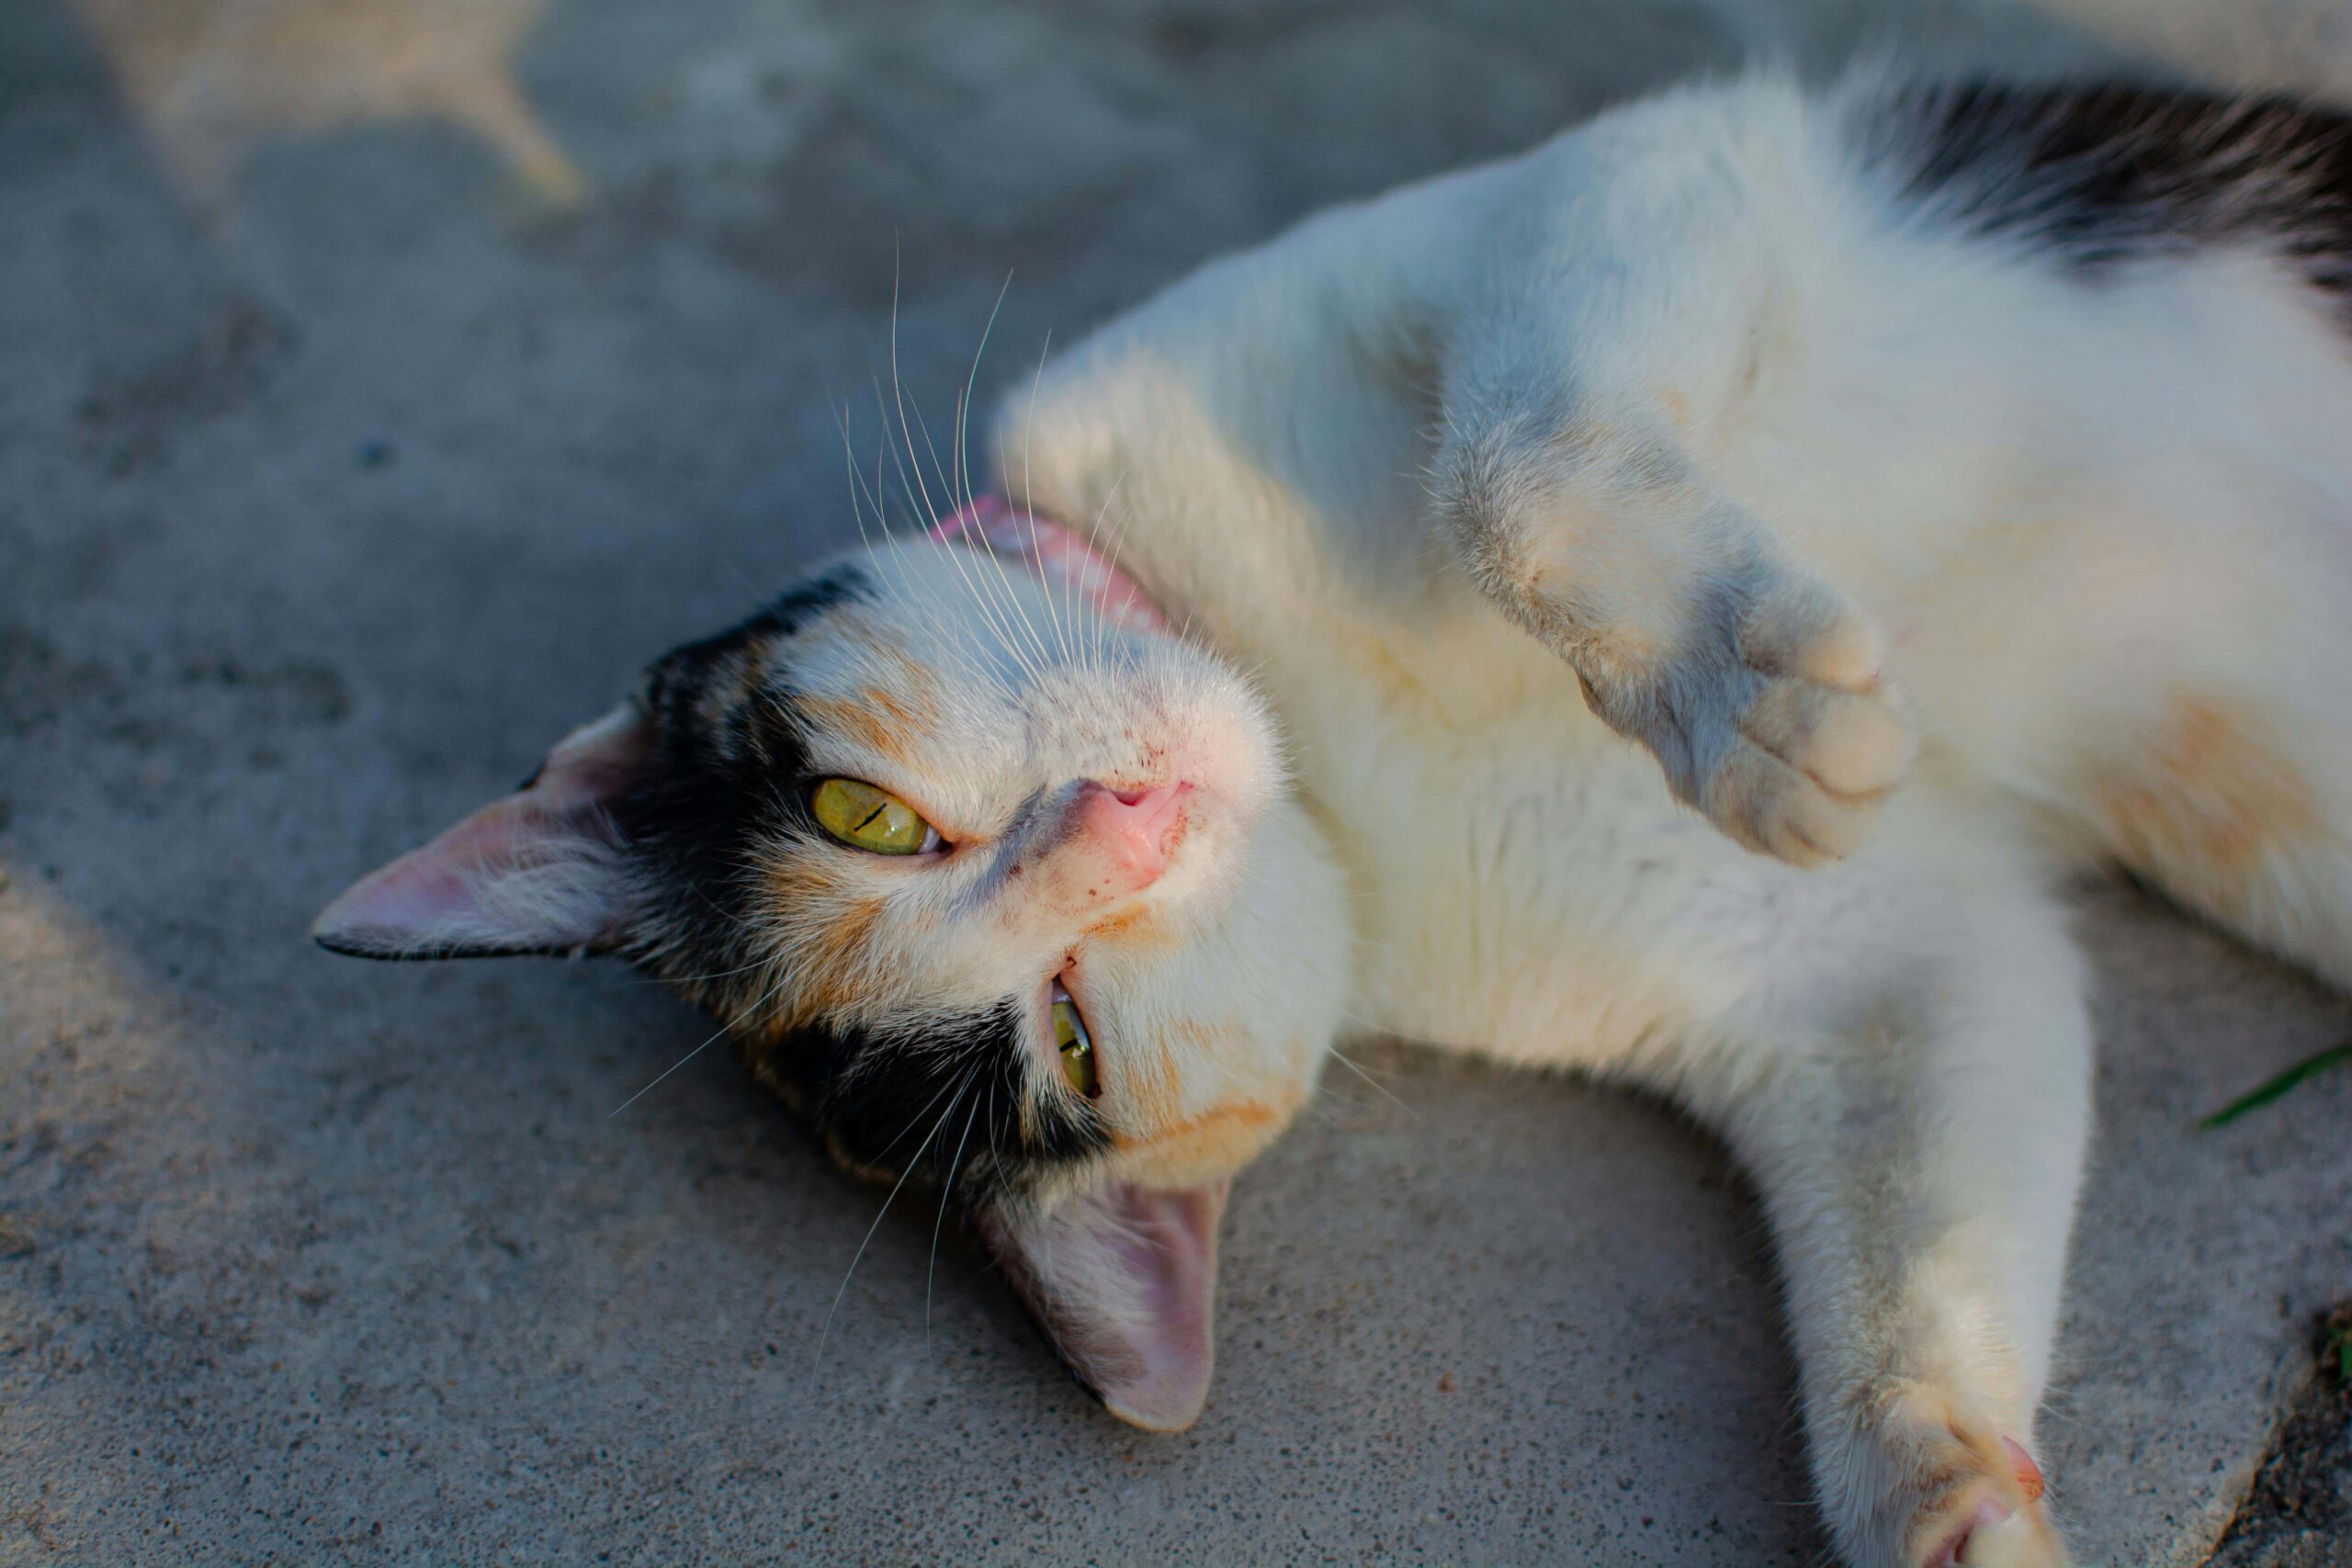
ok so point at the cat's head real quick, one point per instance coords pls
(993, 877)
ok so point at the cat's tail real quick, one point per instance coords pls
(2301, 46)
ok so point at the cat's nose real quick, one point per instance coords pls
(1132, 829)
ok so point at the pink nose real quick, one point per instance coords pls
(1130, 829)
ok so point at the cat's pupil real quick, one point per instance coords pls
(868, 819)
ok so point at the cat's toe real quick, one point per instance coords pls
(1852, 745)
(1999, 1535)
(1781, 808)
(1783, 766)
(1797, 626)
(1822, 741)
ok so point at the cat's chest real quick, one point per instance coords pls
(1521, 883)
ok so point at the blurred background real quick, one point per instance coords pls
(383, 381)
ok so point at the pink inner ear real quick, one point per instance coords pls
(536, 871)
(1124, 1282)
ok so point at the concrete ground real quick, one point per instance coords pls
(381, 382)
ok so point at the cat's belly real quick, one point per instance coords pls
(1522, 885)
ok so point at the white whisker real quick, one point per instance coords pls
(1344, 1060)
(826, 1332)
(954, 1169)
(732, 1024)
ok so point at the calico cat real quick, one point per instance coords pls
(1944, 487)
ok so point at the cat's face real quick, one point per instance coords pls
(993, 878)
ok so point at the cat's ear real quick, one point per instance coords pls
(1124, 1282)
(540, 871)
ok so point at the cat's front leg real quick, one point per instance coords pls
(1917, 1125)
(1757, 686)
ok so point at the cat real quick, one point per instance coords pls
(1674, 604)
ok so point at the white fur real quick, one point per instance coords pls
(2091, 524)
(1682, 427)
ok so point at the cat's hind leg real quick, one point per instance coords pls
(1913, 1105)
(2218, 764)
(2170, 692)
(2227, 801)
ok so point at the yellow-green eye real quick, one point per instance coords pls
(869, 818)
(1077, 1050)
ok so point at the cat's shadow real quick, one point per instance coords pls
(1458, 1285)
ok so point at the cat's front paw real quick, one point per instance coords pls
(1823, 742)
(1777, 725)
(1930, 1484)
(1992, 1521)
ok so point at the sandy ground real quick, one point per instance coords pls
(380, 385)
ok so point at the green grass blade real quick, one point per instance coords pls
(2271, 1089)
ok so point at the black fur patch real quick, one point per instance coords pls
(729, 773)
(2102, 175)
(948, 1104)
(728, 767)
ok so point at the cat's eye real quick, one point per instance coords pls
(1075, 1047)
(867, 819)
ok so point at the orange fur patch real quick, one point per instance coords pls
(1136, 923)
(874, 719)
(914, 712)
(831, 926)
(915, 681)
(1216, 1142)
(2210, 797)
(1149, 1087)
(1118, 924)
(884, 720)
